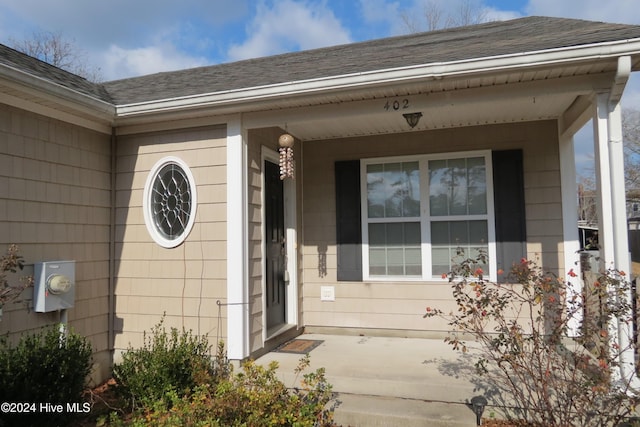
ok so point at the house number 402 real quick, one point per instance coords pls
(397, 104)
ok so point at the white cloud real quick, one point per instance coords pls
(289, 25)
(494, 14)
(617, 11)
(119, 62)
(123, 22)
(124, 38)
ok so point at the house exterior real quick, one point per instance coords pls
(165, 189)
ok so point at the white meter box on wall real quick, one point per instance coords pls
(54, 285)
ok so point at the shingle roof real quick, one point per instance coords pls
(35, 67)
(490, 39)
(485, 40)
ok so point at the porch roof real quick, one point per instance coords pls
(519, 36)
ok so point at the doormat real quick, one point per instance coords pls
(299, 346)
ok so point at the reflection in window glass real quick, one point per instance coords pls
(457, 187)
(393, 190)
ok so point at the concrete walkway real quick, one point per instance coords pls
(383, 381)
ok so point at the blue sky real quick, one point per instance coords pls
(125, 38)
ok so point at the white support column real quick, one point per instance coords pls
(622, 263)
(603, 180)
(237, 266)
(612, 221)
(570, 224)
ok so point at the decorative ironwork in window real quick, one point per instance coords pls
(170, 202)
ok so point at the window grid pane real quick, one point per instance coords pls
(453, 241)
(394, 249)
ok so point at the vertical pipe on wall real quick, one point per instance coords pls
(112, 250)
(603, 180)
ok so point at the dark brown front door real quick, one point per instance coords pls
(275, 245)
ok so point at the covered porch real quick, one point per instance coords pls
(536, 105)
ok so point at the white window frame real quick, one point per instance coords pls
(146, 203)
(425, 218)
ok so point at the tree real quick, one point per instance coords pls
(467, 12)
(587, 207)
(587, 211)
(631, 138)
(58, 51)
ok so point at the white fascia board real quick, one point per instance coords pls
(431, 71)
(29, 83)
(102, 126)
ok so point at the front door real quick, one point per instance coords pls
(275, 246)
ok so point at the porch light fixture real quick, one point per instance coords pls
(285, 142)
(412, 118)
(477, 404)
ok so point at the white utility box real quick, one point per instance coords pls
(327, 293)
(54, 285)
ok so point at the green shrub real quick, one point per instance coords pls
(167, 362)
(173, 381)
(252, 398)
(255, 397)
(45, 367)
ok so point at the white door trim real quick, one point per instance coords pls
(291, 245)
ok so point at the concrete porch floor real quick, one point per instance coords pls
(384, 381)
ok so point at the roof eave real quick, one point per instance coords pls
(21, 80)
(241, 98)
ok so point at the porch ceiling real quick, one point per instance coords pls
(444, 103)
(444, 112)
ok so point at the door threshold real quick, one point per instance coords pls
(278, 330)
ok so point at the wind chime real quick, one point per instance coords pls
(285, 143)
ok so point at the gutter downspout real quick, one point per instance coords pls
(619, 214)
(112, 252)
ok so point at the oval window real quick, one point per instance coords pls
(169, 202)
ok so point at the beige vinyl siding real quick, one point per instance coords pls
(257, 139)
(55, 193)
(186, 282)
(399, 305)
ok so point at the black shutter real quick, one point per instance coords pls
(508, 193)
(348, 220)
